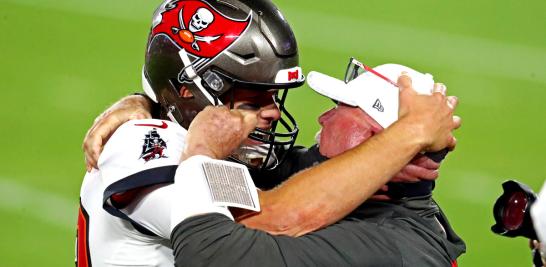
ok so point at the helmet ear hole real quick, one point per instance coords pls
(184, 92)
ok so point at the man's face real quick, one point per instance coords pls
(261, 103)
(343, 128)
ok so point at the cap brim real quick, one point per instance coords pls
(330, 87)
(377, 97)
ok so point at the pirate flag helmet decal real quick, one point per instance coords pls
(214, 47)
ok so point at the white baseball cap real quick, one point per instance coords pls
(371, 93)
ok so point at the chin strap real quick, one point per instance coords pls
(196, 79)
(171, 116)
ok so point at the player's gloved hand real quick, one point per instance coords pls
(429, 117)
(128, 108)
(217, 131)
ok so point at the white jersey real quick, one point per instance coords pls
(141, 153)
(145, 155)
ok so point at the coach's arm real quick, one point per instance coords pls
(326, 193)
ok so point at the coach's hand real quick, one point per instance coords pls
(217, 131)
(429, 117)
(419, 168)
(128, 108)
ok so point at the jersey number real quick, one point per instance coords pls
(83, 258)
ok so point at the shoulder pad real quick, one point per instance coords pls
(140, 145)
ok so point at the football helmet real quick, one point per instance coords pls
(213, 47)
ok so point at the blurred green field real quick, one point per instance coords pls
(63, 62)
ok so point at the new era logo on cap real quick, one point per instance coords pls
(377, 105)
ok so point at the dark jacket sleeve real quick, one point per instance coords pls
(215, 240)
(379, 234)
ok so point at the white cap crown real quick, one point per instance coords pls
(377, 97)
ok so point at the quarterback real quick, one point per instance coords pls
(241, 53)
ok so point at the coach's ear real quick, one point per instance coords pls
(184, 92)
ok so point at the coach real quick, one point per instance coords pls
(410, 231)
